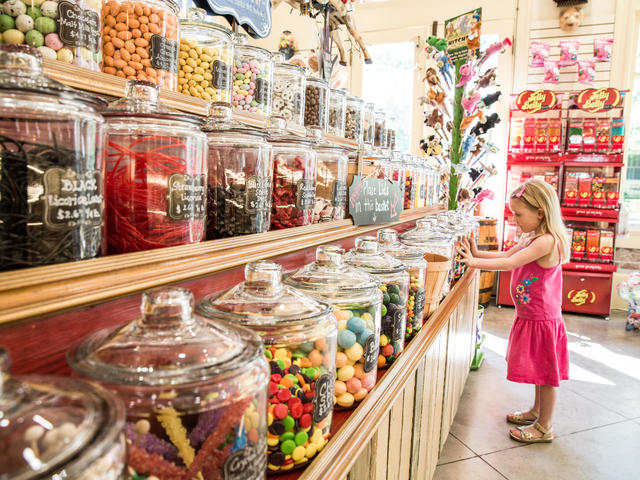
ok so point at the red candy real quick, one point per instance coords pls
(276, 377)
(296, 410)
(306, 420)
(308, 407)
(284, 395)
(280, 411)
(273, 388)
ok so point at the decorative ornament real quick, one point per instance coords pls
(469, 119)
(287, 45)
(494, 48)
(488, 79)
(470, 104)
(571, 18)
(466, 74)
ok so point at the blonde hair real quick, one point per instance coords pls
(537, 194)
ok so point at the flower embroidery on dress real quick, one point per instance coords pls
(523, 291)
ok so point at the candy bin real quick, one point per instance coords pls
(331, 179)
(354, 118)
(380, 131)
(140, 41)
(391, 133)
(369, 128)
(337, 111)
(195, 389)
(316, 103)
(395, 288)
(205, 58)
(294, 178)
(357, 303)
(289, 84)
(252, 76)
(156, 173)
(240, 176)
(59, 427)
(299, 335)
(51, 166)
(413, 258)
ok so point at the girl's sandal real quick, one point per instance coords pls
(528, 437)
(517, 418)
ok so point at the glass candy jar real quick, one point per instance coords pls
(354, 118)
(205, 58)
(380, 132)
(331, 179)
(316, 103)
(289, 86)
(395, 288)
(156, 173)
(369, 128)
(337, 111)
(140, 41)
(195, 390)
(59, 427)
(420, 180)
(410, 181)
(240, 176)
(51, 166)
(397, 170)
(357, 303)
(413, 258)
(299, 336)
(391, 133)
(252, 76)
(294, 178)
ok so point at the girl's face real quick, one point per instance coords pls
(527, 218)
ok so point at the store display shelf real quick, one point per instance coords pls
(43, 290)
(591, 213)
(585, 218)
(593, 159)
(590, 267)
(542, 159)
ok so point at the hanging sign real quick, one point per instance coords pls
(535, 102)
(253, 15)
(374, 200)
(463, 34)
(596, 100)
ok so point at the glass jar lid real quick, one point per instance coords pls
(197, 17)
(312, 80)
(51, 425)
(241, 42)
(425, 234)
(389, 244)
(167, 345)
(263, 300)
(141, 99)
(278, 133)
(220, 120)
(21, 70)
(321, 144)
(352, 99)
(329, 275)
(367, 256)
(339, 93)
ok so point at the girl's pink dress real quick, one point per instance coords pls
(537, 351)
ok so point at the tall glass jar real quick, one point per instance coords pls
(354, 118)
(240, 176)
(413, 258)
(140, 41)
(156, 173)
(294, 178)
(252, 76)
(357, 303)
(398, 173)
(195, 389)
(289, 86)
(59, 427)
(369, 129)
(410, 181)
(337, 111)
(395, 288)
(421, 179)
(205, 58)
(51, 166)
(391, 133)
(380, 133)
(316, 103)
(300, 337)
(331, 179)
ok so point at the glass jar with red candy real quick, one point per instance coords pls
(156, 173)
(294, 177)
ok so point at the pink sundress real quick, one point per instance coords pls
(537, 352)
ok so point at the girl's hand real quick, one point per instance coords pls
(464, 249)
(474, 248)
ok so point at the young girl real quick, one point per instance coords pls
(537, 351)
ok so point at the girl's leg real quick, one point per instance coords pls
(548, 396)
(536, 402)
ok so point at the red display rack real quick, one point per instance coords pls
(584, 167)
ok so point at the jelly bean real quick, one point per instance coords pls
(346, 338)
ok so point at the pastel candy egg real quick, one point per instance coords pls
(345, 400)
(363, 336)
(341, 314)
(13, 36)
(14, 7)
(360, 394)
(34, 12)
(355, 324)
(382, 361)
(339, 388)
(370, 324)
(353, 385)
(366, 316)
(34, 38)
(346, 338)
(49, 9)
(354, 352)
(6, 22)
(65, 55)
(24, 23)
(36, 3)
(342, 324)
(368, 382)
(345, 373)
(85, 53)
(383, 340)
(341, 359)
(45, 25)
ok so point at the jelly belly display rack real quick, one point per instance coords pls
(574, 141)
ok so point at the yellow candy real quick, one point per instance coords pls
(269, 418)
(317, 437)
(345, 400)
(366, 316)
(354, 352)
(311, 450)
(272, 442)
(342, 325)
(298, 453)
(280, 354)
(177, 433)
(383, 340)
(345, 373)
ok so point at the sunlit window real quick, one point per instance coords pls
(631, 194)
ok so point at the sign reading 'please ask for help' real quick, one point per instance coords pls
(373, 201)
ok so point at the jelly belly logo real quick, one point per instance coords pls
(581, 297)
(592, 100)
(598, 195)
(606, 251)
(538, 101)
(571, 194)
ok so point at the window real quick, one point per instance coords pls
(631, 194)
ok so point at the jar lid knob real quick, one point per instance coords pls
(424, 223)
(329, 255)
(263, 275)
(387, 236)
(142, 91)
(278, 57)
(220, 111)
(277, 124)
(367, 244)
(164, 308)
(196, 14)
(20, 57)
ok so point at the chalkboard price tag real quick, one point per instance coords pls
(339, 193)
(164, 53)
(186, 196)
(305, 194)
(370, 353)
(78, 27)
(258, 194)
(374, 200)
(399, 323)
(419, 303)
(248, 463)
(261, 94)
(220, 73)
(323, 397)
(254, 15)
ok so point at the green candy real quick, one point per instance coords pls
(385, 298)
(34, 38)
(306, 346)
(288, 423)
(394, 298)
(301, 438)
(393, 289)
(384, 310)
(293, 378)
(280, 364)
(288, 447)
(268, 354)
(286, 436)
(34, 12)
(45, 25)
(6, 23)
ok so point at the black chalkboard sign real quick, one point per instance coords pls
(186, 196)
(323, 397)
(253, 15)
(305, 194)
(164, 53)
(374, 201)
(78, 27)
(399, 323)
(339, 198)
(248, 463)
(220, 72)
(371, 353)
(258, 194)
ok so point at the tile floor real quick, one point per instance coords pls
(597, 419)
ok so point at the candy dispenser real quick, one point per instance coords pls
(140, 41)
(369, 129)
(59, 427)
(395, 287)
(380, 130)
(294, 178)
(357, 303)
(240, 176)
(156, 173)
(289, 85)
(252, 76)
(300, 338)
(354, 118)
(195, 390)
(337, 111)
(51, 166)
(205, 58)
(316, 103)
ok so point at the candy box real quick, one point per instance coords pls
(606, 245)
(617, 135)
(575, 135)
(529, 135)
(578, 244)
(603, 135)
(593, 244)
(584, 191)
(542, 135)
(555, 133)
(597, 191)
(589, 136)
(517, 130)
(571, 189)
(612, 194)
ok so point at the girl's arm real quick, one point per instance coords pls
(484, 254)
(539, 248)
